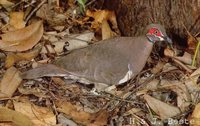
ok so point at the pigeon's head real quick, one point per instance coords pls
(157, 33)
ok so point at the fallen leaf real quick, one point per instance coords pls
(79, 40)
(168, 67)
(8, 115)
(99, 119)
(183, 95)
(168, 52)
(17, 20)
(40, 116)
(151, 86)
(72, 111)
(195, 116)
(100, 15)
(192, 43)
(70, 42)
(52, 17)
(13, 58)
(22, 39)
(106, 31)
(191, 81)
(34, 91)
(6, 3)
(10, 82)
(64, 121)
(159, 66)
(162, 109)
(84, 118)
(186, 58)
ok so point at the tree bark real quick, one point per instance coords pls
(177, 16)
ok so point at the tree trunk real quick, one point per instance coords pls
(177, 16)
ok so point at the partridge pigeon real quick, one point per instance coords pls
(109, 62)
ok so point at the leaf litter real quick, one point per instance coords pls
(167, 90)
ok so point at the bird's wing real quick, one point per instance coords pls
(102, 62)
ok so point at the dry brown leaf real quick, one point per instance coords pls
(58, 81)
(70, 42)
(191, 82)
(8, 115)
(106, 30)
(17, 20)
(100, 15)
(13, 58)
(151, 86)
(22, 39)
(162, 109)
(6, 3)
(168, 52)
(72, 111)
(99, 119)
(186, 58)
(192, 43)
(34, 91)
(64, 121)
(77, 41)
(10, 82)
(183, 95)
(159, 66)
(40, 116)
(195, 116)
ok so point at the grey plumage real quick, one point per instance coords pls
(111, 61)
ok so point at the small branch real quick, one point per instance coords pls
(31, 14)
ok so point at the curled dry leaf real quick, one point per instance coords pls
(192, 43)
(8, 115)
(82, 117)
(22, 39)
(162, 109)
(191, 82)
(40, 116)
(186, 58)
(101, 15)
(14, 58)
(79, 40)
(12, 76)
(70, 42)
(6, 3)
(17, 20)
(195, 116)
(64, 121)
(183, 95)
(106, 31)
(159, 66)
(33, 91)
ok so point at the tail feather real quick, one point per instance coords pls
(44, 70)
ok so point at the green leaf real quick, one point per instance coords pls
(82, 4)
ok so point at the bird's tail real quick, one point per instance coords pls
(44, 70)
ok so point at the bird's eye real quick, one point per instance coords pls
(156, 32)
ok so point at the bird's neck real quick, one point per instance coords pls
(144, 48)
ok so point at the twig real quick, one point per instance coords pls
(182, 65)
(30, 15)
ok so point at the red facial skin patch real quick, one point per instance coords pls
(154, 31)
